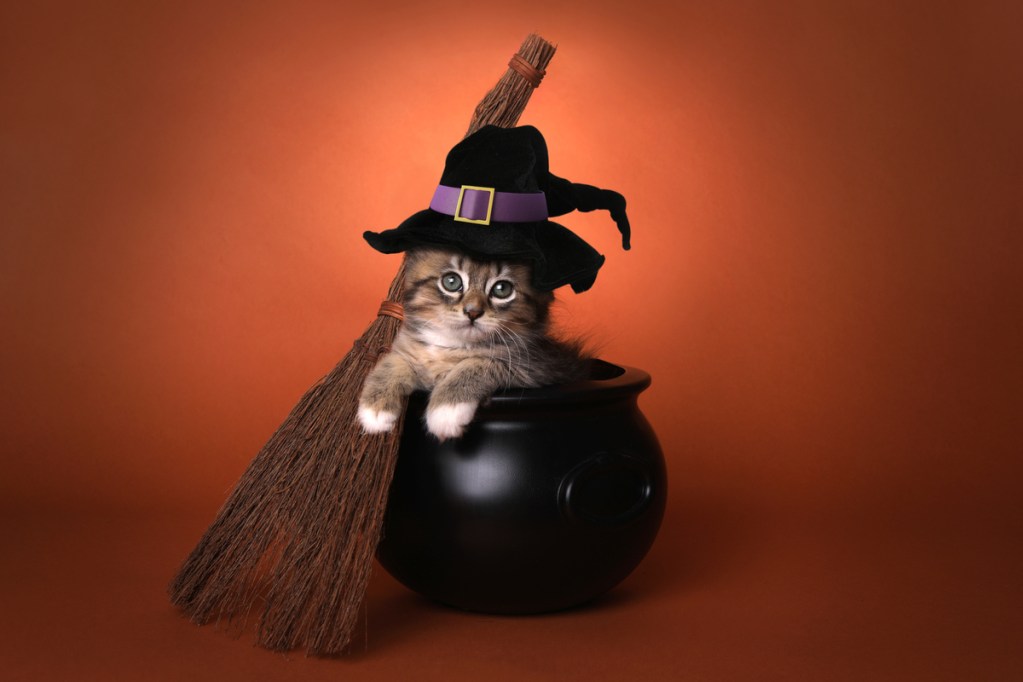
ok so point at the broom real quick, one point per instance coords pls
(298, 534)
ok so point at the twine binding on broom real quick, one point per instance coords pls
(532, 74)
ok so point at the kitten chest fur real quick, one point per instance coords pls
(431, 363)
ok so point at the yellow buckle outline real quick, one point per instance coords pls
(490, 206)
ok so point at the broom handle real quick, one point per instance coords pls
(504, 104)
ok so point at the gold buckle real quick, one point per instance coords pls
(490, 205)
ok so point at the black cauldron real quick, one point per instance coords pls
(552, 497)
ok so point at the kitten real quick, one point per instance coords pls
(471, 327)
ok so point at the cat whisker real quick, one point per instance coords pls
(517, 349)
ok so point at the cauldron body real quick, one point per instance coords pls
(550, 498)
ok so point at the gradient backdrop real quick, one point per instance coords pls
(825, 285)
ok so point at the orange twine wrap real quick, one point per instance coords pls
(521, 66)
(392, 309)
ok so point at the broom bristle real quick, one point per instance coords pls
(299, 532)
(295, 533)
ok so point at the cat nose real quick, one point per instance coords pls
(473, 311)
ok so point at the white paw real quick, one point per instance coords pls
(449, 419)
(376, 421)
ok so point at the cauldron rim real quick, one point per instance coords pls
(607, 381)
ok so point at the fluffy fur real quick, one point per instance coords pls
(471, 327)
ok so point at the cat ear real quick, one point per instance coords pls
(564, 197)
(419, 254)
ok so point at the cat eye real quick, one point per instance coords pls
(450, 281)
(502, 289)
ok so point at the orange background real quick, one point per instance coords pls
(824, 285)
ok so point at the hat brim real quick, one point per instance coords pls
(557, 256)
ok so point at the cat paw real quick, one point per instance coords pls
(376, 421)
(449, 420)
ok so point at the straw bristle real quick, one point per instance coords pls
(299, 532)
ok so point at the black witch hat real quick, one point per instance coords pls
(494, 200)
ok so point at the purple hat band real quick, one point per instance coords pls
(483, 205)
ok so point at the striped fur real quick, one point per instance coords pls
(462, 345)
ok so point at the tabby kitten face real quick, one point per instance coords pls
(455, 301)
